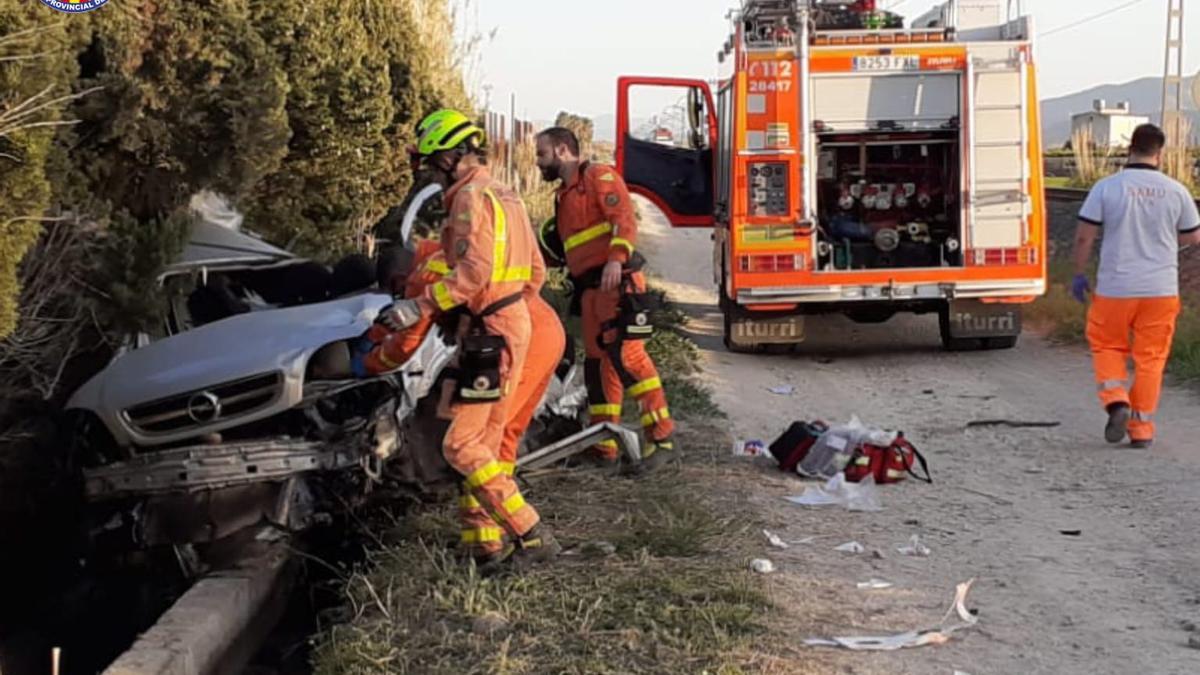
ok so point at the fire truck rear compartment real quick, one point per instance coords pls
(888, 201)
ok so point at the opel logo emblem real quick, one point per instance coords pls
(204, 407)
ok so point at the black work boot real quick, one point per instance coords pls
(1118, 422)
(537, 546)
(656, 455)
(1142, 444)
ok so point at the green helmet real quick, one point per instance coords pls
(446, 130)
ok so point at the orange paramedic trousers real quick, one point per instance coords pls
(1139, 327)
(491, 505)
(546, 343)
(614, 366)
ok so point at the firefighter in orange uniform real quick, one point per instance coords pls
(390, 350)
(597, 226)
(491, 258)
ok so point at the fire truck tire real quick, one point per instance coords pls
(730, 345)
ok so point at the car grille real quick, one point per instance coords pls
(205, 407)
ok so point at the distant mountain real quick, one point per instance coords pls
(1144, 96)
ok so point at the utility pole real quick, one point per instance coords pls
(512, 143)
(1172, 101)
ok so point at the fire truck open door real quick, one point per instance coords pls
(677, 178)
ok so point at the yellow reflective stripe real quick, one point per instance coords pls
(514, 274)
(618, 241)
(484, 474)
(863, 461)
(611, 445)
(606, 409)
(482, 535)
(510, 468)
(500, 233)
(592, 233)
(513, 504)
(655, 416)
(469, 502)
(442, 295)
(437, 266)
(608, 177)
(645, 386)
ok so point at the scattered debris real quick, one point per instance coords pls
(927, 392)
(1014, 424)
(933, 636)
(1194, 642)
(774, 539)
(861, 496)
(878, 555)
(1189, 626)
(914, 548)
(785, 390)
(851, 547)
(750, 448)
(762, 566)
(874, 585)
(1070, 533)
(598, 549)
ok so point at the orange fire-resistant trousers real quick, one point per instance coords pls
(546, 343)
(1139, 327)
(614, 366)
(491, 504)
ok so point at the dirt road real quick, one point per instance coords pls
(1122, 596)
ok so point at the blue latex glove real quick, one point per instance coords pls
(358, 355)
(1080, 287)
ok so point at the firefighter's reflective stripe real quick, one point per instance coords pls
(618, 241)
(605, 410)
(482, 535)
(468, 502)
(1142, 416)
(437, 266)
(863, 461)
(655, 416)
(442, 295)
(501, 272)
(608, 445)
(645, 386)
(509, 468)
(591, 234)
(485, 473)
(513, 504)
(1110, 384)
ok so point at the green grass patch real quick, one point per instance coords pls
(1064, 320)
(675, 597)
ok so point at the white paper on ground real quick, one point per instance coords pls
(933, 636)
(874, 585)
(914, 548)
(850, 547)
(861, 496)
(762, 566)
(774, 539)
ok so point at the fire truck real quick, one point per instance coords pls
(850, 164)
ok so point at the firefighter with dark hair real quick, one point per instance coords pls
(594, 232)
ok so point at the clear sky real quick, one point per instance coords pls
(567, 54)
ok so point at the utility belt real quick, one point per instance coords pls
(634, 308)
(481, 354)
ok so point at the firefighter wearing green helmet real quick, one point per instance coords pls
(494, 269)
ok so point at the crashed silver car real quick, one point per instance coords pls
(241, 410)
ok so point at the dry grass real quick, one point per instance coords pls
(676, 596)
(1091, 163)
(1178, 159)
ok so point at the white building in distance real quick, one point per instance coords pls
(1107, 127)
